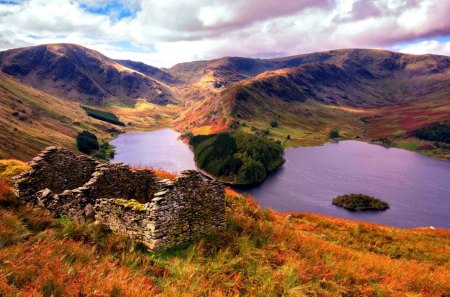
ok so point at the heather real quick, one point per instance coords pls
(260, 253)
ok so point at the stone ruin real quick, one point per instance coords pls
(158, 212)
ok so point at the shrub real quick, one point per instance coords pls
(334, 133)
(11, 167)
(106, 151)
(360, 202)
(7, 197)
(274, 124)
(87, 142)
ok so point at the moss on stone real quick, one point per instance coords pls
(130, 204)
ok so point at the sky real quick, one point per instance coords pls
(165, 32)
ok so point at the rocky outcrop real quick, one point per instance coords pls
(158, 212)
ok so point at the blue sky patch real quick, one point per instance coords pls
(418, 40)
(10, 2)
(115, 9)
(127, 46)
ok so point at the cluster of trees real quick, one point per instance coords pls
(360, 202)
(87, 142)
(244, 158)
(435, 133)
(103, 116)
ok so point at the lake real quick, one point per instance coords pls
(158, 149)
(417, 187)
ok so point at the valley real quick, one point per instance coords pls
(362, 94)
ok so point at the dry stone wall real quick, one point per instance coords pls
(158, 212)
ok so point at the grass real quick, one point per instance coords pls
(260, 253)
(41, 120)
(158, 172)
(10, 167)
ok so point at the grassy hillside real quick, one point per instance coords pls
(82, 75)
(260, 253)
(364, 94)
(31, 120)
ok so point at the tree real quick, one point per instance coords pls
(288, 137)
(274, 124)
(87, 142)
(245, 157)
(251, 172)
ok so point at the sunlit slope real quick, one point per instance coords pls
(259, 253)
(31, 120)
(321, 91)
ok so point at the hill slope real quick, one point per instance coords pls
(365, 94)
(77, 73)
(31, 120)
(260, 253)
(318, 92)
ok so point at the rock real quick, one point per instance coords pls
(89, 212)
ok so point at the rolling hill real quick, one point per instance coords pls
(82, 75)
(31, 120)
(365, 94)
(311, 94)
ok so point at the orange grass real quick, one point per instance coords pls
(260, 253)
(161, 173)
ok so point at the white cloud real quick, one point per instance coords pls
(184, 30)
(426, 47)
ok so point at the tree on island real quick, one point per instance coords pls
(359, 202)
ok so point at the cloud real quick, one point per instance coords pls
(426, 47)
(164, 32)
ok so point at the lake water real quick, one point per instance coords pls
(417, 187)
(157, 149)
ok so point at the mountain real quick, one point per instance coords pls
(363, 93)
(80, 74)
(151, 71)
(315, 92)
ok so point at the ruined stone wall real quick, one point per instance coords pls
(57, 169)
(118, 180)
(183, 210)
(127, 217)
(158, 212)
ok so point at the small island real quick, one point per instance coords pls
(360, 202)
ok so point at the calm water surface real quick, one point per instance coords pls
(416, 187)
(157, 149)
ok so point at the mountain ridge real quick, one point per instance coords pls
(78, 73)
(309, 95)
